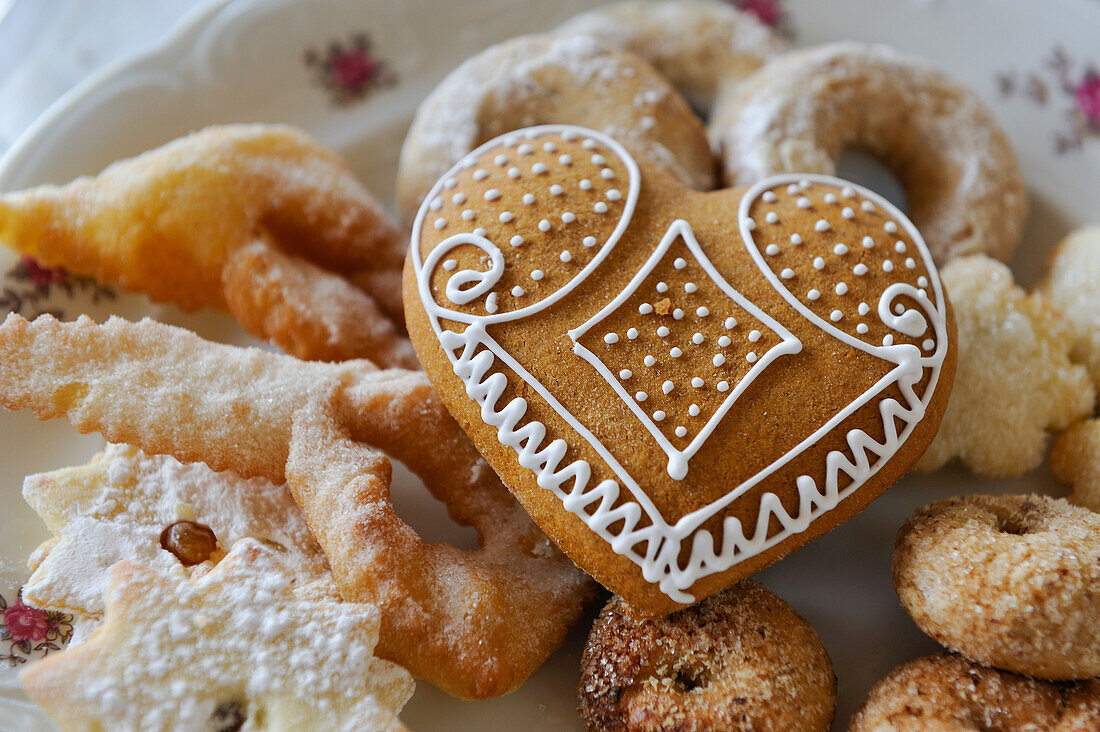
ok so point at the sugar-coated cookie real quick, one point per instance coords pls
(1075, 460)
(233, 648)
(1073, 284)
(680, 387)
(1014, 380)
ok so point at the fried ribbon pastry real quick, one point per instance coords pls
(475, 623)
(258, 220)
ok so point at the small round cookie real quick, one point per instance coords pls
(533, 80)
(701, 46)
(948, 692)
(798, 113)
(741, 659)
(1008, 581)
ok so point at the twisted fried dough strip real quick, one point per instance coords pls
(240, 217)
(475, 623)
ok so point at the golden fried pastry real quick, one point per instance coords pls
(1073, 284)
(1075, 460)
(1014, 380)
(1008, 581)
(741, 659)
(233, 648)
(259, 220)
(475, 623)
(797, 114)
(952, 694)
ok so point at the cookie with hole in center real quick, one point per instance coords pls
(680, 387)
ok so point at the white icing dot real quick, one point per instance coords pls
(841, 288)
(585, 184)
(689, 287)
(888, 340)
(518, 291)
(750, 224)
(516, 240)
(769, 197)
(568, 217)
(697, 382)
(771, 250)
(597, 159)
(649, 360)
(848, 192)
(840, 250)
(813, 294)
(589, 144)
(793, 189)
(537, 274)
(600, 207)
(506, 217)
(890, 227)
(440, 223)
(450, 183)
(887, 266)
(589, 241)
(675, 352)
(723, 341)
(899, 247)
(658, 416)
(860, 269)
(556, 190)
(928, 344)
(750, 357)
(481, 174)
(538, 168)
(525, 149)
(796, 239)
(867, 206)
(662, 331)
(681, 431)
(662, 287)
(611, 338)
(822, 225)
(698, 338)
(730, 323)
(835, 315)
(899, 308)
(501, 160)
(458, 199)
(565, 256)
(549, 147)
(718, 359)
(723, 386)
(803, 202)
(819, 263)
(436, 204)
(607, 173)
(667, 387)
(641, 396)
(491, 303)
(679, 263)
(922, 281)
(702, 311)
(645, 308)
(910, 263)
(632, 333)
(787, 273)
(862, 328)
(625, 374)
(450, 264)
(864, 308)
(479, 231)
(771, 217)
(513, 172)
(694, 410)
(492, 194)
(754, 335)
(830, 198)
(613, 194)
(565, 160)
(678, 313)
(868, 243)
(568, 135)
(544, 225)
(528, 199)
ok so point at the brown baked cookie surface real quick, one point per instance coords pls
(680, 387)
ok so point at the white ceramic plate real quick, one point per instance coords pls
(352, 72)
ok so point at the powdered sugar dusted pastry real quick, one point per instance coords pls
(1008, 581)
(964, 187)
(679, 387)
(1075, 460)
(702, 46)
(233, 648)
(1072, 284)
(159, 513)
(535, 79)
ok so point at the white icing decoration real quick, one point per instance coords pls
(589, 241)
(860, 269)
(697, 382)
(730, 323)
(565, 256)
(440, 223)
(481, 174)
(702, 311)
(796, 239)
(681, 431)
(645, 308)
(868, 243)
(679, 263)
(518, 291)
(694, 410)
(506, 217)
(658, 416)
(450, 264)
(662, 331)
(675, 352)
(436, 204)
(632, 333)
(625, 374)
(491, 303)
(803, 202)
(848, 213)
(689, 287)
(750, 356)
(698, 338)
(544, 225)
(841, 288)
(667, 386)
(614, 194)
(822, 225)
(641, 396)
(829, 197)
(771, 250)
(611, 338)
(556, 190)
(516, 240)
(528, 199)
(769, 197)
(840, 250)
(723, 341)
(514, 172)
(771, 217)
(649, 360)
(585, 184)
(537, 274)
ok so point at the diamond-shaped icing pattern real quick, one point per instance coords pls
(678, 345)
(548, 201)
(839, 266)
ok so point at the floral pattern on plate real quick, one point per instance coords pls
(30, 632)
(349, 71)
(31, 289)
(1071, 84)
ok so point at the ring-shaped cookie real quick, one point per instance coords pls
(965, 190)
(1008, 581)
(741, 659)
(539, 79)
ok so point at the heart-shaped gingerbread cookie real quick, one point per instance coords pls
(680, 387)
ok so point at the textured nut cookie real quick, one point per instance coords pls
(1073, 285)
(1075, 459)
(798, 113)
(539, 79)
(1008, 581)
(740, 660)
(679, 387)
(950, 693)
(1014, 380)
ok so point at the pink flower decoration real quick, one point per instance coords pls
(26, 623)
(353, 70)
(767, 12)
(1088, 97)
(42, 276)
